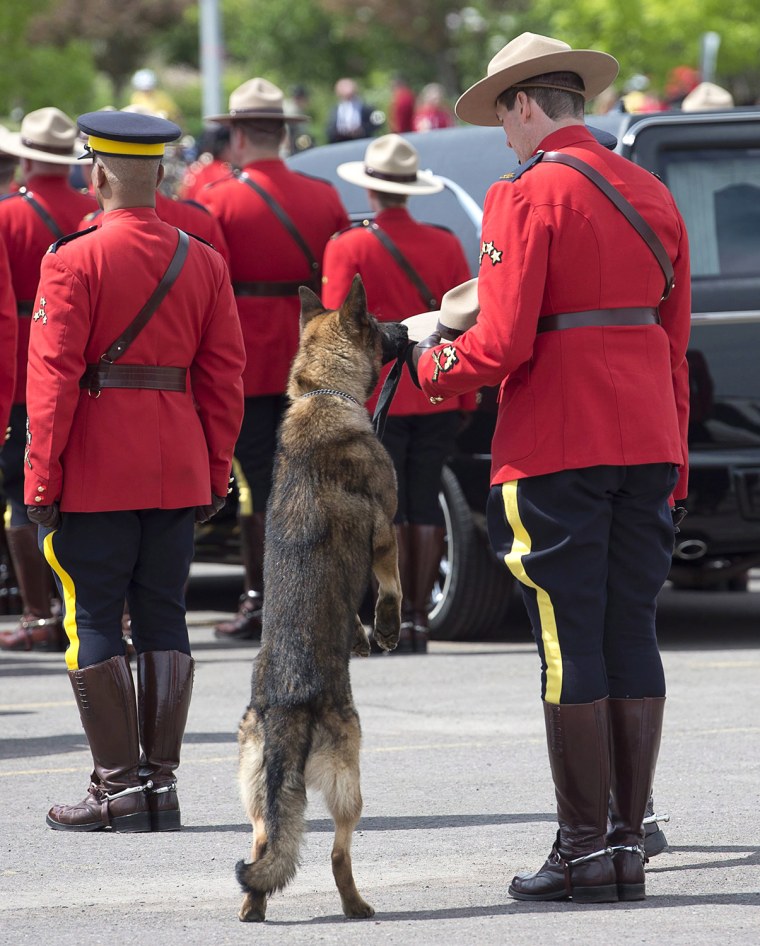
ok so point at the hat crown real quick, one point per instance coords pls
(460, 306)
(48, 128)
(524, 48)
(256, 95)
(393, 156)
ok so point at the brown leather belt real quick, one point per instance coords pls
(25, 308)
(598, 317)
(150, 377)
(272, 288)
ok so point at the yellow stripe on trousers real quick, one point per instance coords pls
(69, 603)
(245, 500)
(521, 547)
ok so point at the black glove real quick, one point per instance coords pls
(678, 513)
(49, 517)
(204, 513)
(413, 353)
(395, 340)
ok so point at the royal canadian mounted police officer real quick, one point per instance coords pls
(44, 209)
(584, 323)
(135, 400)
(276, 223)
(404, 265)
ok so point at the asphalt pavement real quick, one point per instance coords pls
(457, 798)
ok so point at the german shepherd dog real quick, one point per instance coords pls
(329, 524)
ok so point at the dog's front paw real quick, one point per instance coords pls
(387, 623)
(361, 646)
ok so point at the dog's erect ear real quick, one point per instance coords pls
(311, 304)
(355, 304)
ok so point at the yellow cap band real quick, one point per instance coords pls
(138, 149)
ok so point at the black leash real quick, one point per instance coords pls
(386, 395)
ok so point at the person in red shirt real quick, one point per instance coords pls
(8, 334)
(276, 223)
(401, 108)
(212, 164)
(43, 210)
(584, 324)
(134, 398)
(418, 435)
(432, 111)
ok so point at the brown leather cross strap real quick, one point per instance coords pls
(97, 374)
(152, 377)
(42, 213)
(274, 288)
(425, 294)
(627, 209)
(282, 216)
(597, 318)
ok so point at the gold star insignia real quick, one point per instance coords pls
(496, 256)
(41, 313)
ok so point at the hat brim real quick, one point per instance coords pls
(354, 173)
(254, 117)
(10, 143)
(420, 326)
(598, 70)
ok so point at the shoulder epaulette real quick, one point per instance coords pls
(354, 225)
(518, 172)
(8, 196)
(54, 247)
(201, 240)
(195, 203)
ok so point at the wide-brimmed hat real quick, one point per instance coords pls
(706, 97)
(390, 165)
(254, 100)
(526, 56)
(458, 312)
(47, 134)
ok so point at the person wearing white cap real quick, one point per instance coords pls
(276, 223)
(43, 210)
(584, 292)
(404, 264)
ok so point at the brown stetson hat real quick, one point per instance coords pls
(254, 100)
(390, 165)
(459, 311)
(526, 56)
(47, 134)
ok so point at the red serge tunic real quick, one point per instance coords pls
(132, 448)
(8, 333)
(262, 250)
(434, 253)
(553, 243)
(27, 238)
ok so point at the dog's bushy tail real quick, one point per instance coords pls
(287, 742)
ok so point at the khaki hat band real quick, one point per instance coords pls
(49, 149)
(544, 85)
(382, 176)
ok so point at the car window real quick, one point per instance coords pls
(718, 194)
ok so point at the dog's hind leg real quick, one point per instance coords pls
(254, 906)
(385, 567)
(334, 769)
(251, 776)
(361, 646)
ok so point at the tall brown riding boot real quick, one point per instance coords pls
(105, 695)
(38, 628)
(164, 688)
(427, 548)
(579, 865)
(406, 633)
(636, 728)
(246, 625)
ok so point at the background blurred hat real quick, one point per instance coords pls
(144, 80)
(255, 99)
(458, 312)
(707, 96)
(127, 134)
(529, 55)
(390, 165)
(46, 135)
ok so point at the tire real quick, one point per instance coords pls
(472, 596)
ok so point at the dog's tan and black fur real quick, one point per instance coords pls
(329, 524)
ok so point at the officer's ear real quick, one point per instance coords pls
(160, 175)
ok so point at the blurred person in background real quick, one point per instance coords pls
(212, 163)
(401, 108)
(432, 111)
(45, 209)
(8, 168)
(276, 223)
(299, 136)
(351, 117)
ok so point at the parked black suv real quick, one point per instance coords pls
(711, 163)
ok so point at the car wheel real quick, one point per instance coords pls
(472, 594)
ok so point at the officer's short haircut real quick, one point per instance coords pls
(129, 172)
(386, 200)
(264, 131)
(555, 103)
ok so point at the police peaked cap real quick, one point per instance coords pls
(127, 134)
